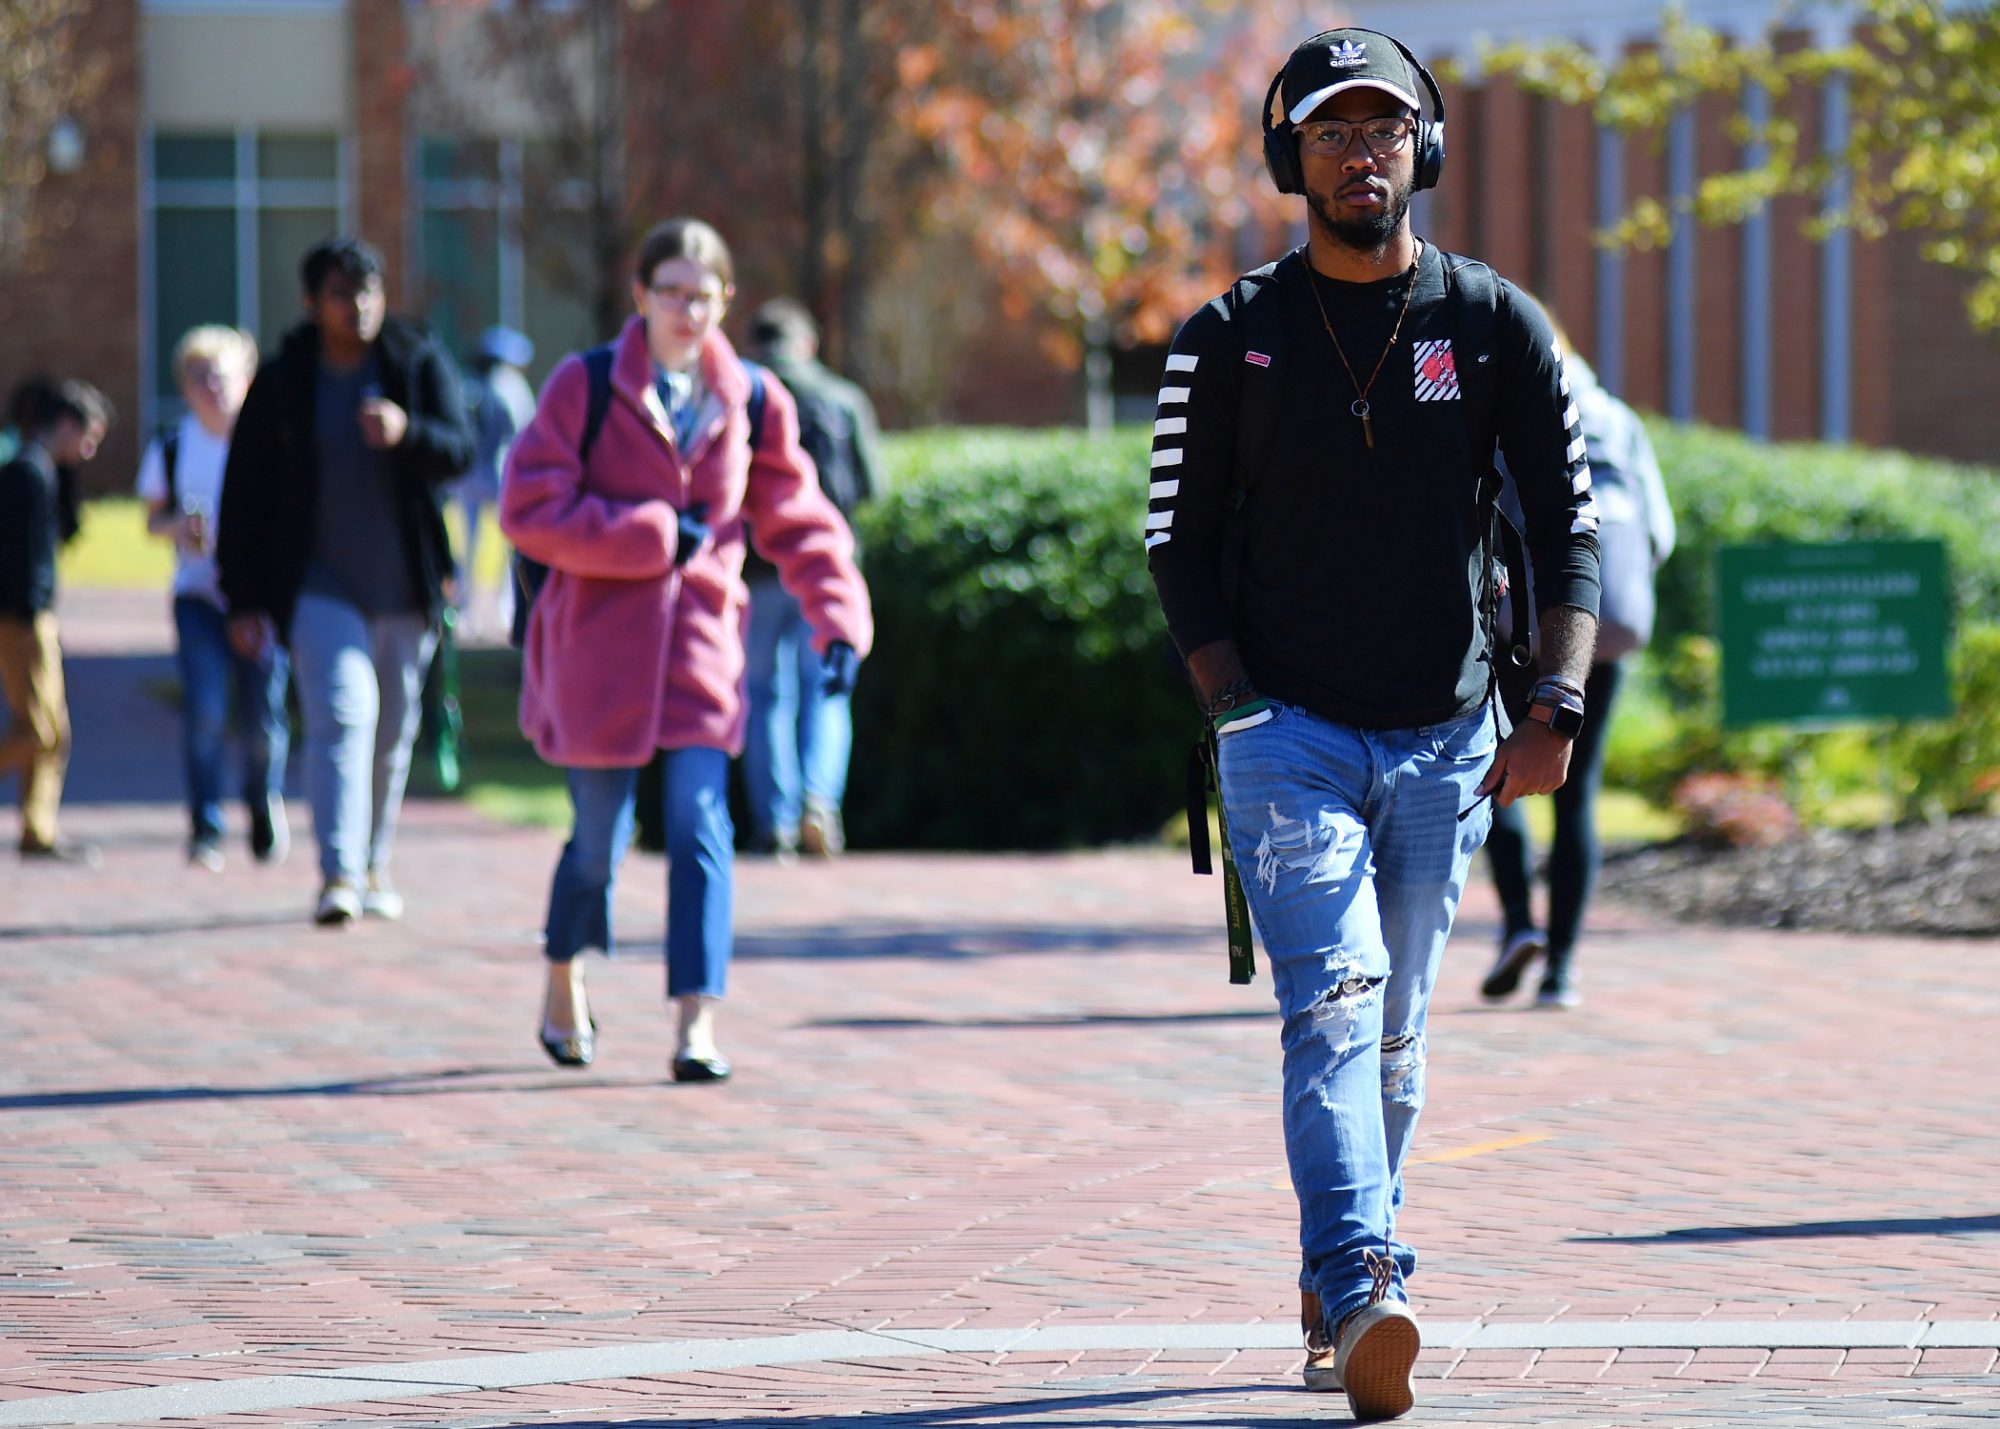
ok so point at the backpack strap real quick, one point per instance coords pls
(1252, 310)
(759, 376)
(170, 460)
(597, 368)
(1473, 294)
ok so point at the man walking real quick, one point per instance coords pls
(61, 427)
(331, 539)
(1318, 531)
(796, 750)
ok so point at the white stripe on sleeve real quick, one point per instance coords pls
(1167, 456)
(1159, 520)
(1170, 426)
(1160, 490)
(1159, 540)
(1181, 361)
(1576, 450)
(1174, 394)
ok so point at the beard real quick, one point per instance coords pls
(1368, 232)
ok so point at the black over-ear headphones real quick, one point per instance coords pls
(1281, 140)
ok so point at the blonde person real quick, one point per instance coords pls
(180, 480)
(633, 484)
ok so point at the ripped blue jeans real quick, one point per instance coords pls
(1353, 857)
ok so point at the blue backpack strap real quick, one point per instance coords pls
(597, 367)
(759, 376)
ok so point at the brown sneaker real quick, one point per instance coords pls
(820, 831)
(1322, 1376)
(1376, 1350)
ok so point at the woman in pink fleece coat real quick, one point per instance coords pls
(635, 644)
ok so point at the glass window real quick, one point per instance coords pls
(194, 156)
(557, 301)
(283, 236)
(194, 279)
(298, 157)
(453, 159)
(461, 275)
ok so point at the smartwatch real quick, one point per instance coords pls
(1565, 719)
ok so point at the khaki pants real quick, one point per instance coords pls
(36, 743)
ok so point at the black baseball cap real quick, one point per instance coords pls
(1336, 61)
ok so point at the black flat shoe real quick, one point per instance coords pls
(578, 1049)
(701, 1069)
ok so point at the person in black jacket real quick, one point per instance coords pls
(61, 425)
(1318, 531)
(330, 538)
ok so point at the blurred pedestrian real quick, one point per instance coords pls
(1635, 536)
(499, 402)
(23, 402)
(331, 539)
(632, 485)
(62, 425)
(796, 751)
(180, 480)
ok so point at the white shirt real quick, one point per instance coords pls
(198, 483)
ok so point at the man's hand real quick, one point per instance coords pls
(190, 533)
(252, 636)
(383, 423)
(1534, 759)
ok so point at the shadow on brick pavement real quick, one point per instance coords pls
(973, 1093)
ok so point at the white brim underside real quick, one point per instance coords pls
(1320, 96)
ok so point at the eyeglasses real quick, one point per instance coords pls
(1330, 138)
(672, 295)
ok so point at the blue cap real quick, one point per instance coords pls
(503, 344)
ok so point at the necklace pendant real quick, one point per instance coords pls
(1359, 408)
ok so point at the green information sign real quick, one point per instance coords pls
(1833, 634)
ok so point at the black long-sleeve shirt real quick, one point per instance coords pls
(1362, 567)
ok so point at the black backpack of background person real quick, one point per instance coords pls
(827, 431)
(530, 575)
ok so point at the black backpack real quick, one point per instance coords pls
(827, 431)
(1474, 296)
(530, 575)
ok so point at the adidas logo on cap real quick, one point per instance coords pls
(1347, 55)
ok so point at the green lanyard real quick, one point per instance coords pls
(1205, 777)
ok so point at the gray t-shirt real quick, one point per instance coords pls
(358, 551)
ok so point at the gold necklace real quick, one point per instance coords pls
(1359, 407)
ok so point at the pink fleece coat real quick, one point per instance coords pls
(627, 653)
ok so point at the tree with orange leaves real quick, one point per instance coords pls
(1103, 155)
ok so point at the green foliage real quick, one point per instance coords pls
(1023, 693)
(1728, 489)
(1921, 145)
(1917, 770)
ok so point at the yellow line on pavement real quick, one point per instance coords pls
(1479, 1148)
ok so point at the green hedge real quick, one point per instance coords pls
(1726, 488)
(1023, 693)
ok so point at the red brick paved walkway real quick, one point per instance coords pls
(979, 1094)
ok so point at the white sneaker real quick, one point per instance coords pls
(339, 904)
(380, 899)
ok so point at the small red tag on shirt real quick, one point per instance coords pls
(1258, 358)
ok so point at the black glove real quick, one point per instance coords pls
(694, 532)
(839, 669)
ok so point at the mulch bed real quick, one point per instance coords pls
(1938, 879)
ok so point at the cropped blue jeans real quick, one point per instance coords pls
(701, 878)
(1353, 855)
